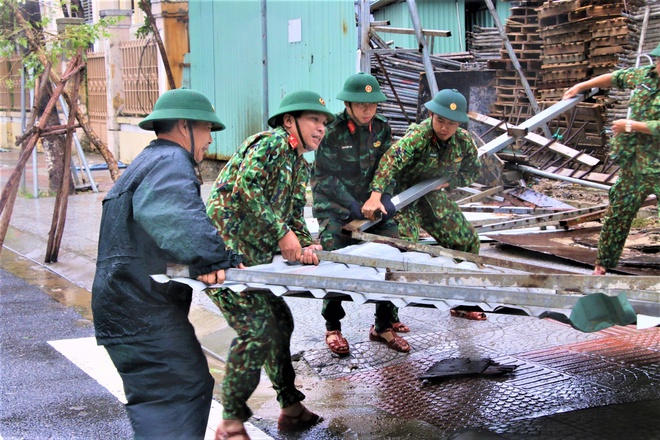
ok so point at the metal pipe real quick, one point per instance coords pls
(79, 149)
(264, 64)
(428, 67)
(364, 26)
(530, 170)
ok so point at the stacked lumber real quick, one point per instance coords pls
(522, 31)
(484, 43)
(581, 38)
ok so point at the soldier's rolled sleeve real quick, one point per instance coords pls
(654, 127)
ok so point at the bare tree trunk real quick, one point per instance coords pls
(146, 7)
(53, 144)
(11, 187)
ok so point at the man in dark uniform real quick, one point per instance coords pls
(152, 217)
(344, 167)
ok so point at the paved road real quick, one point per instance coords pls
(44, 394)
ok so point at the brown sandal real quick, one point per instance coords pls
(397, 343)
(400, 327)
(474, 315)
(222, 435)
(295, 423)
(338, 346)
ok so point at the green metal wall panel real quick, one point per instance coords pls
(439, 15)
(226, 64)
(324, 56)
(226, 58)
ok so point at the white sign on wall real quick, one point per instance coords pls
(295, 31)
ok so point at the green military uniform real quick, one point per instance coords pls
(639, 158)
(344, 167)
(418, 156)
(258, 197)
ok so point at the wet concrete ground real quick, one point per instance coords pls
(567, 385)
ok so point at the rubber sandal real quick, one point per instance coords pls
(397, 344)
(296, 423)
(400, 327)
(338, 346)
(222, 435)
(475, 316)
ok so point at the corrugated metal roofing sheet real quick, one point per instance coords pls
(364, 284)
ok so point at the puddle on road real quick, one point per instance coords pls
(54, 285)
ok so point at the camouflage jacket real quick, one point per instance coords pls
(345, 164)
(420, 155)
(639, 152)
(259, 196)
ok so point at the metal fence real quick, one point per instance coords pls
(97, 94)
(140, 76)
(10, 94)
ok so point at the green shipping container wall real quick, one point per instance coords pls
(456, 16)
(310, 44)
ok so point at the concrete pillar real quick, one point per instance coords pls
(113, 70)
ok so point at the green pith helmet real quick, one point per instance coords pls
(361, 87)
(302, 100)
(656, 51)
(183, 104)
(449, 104)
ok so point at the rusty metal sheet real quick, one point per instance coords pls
(581, 245)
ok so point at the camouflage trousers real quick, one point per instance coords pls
(332, 238)
(626, 197)
(264, 324)
(440, 217)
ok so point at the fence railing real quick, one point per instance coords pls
(97, 94)
(10, 95)
(140, 76)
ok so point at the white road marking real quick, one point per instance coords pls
(95, 362)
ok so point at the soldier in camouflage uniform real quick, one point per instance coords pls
(635, 149)
(344, 167)
(257, 205)
(437, 147)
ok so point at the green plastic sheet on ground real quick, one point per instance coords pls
(597, 311)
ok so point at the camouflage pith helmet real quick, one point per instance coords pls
(183, 104)
(656, 51)
(361, 87)
(302, 100)
(449, 104)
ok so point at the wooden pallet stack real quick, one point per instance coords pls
(581, 39)
(522, 31)
(484, 43)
